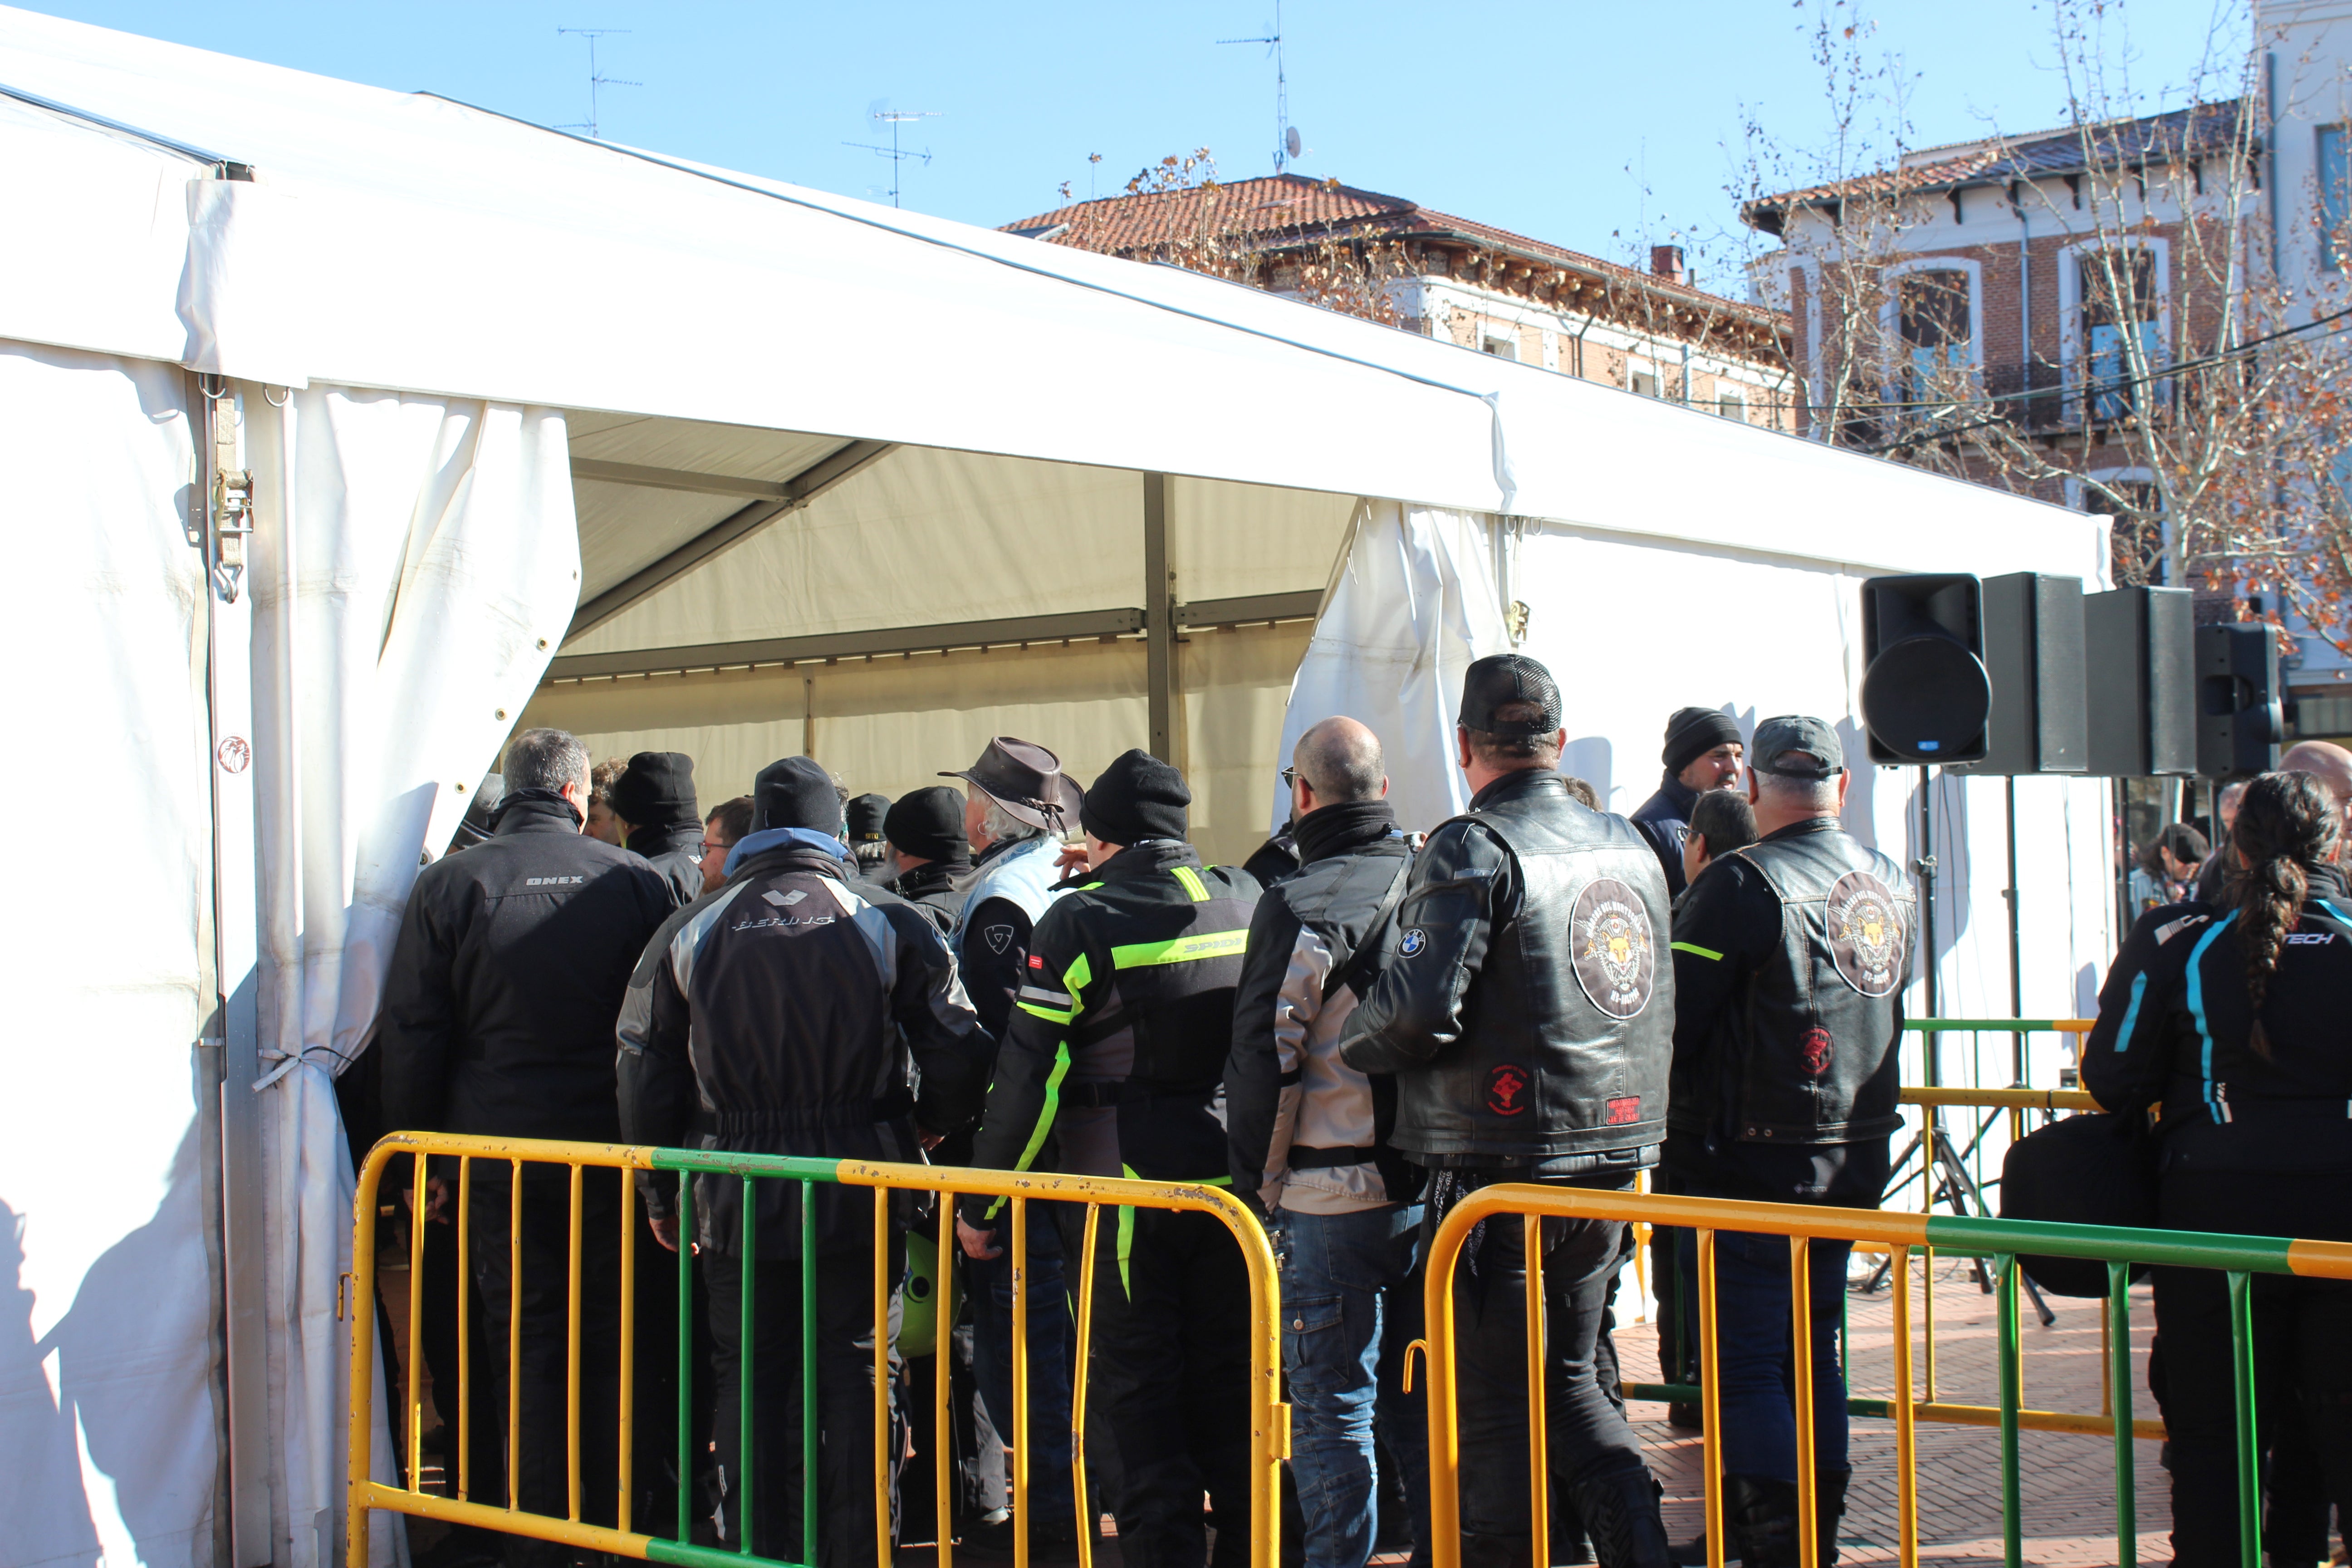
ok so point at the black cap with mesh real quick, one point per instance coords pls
(1500, 679)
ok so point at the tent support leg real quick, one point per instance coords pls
(1158, 620)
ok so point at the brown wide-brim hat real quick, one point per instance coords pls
(1027, 780)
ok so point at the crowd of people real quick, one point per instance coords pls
(1354, 1031)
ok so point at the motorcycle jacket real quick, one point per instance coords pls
(1306, 1131)
(1112, 1061)
(1004, 893)
(1528, 1012)
(794, 1011)
(932, 887)
(676, 853)
(1790, 957)
(2173, 1032)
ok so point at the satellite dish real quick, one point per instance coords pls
(1290, 140)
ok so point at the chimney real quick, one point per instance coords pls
(1666, 262)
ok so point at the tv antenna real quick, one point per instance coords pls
(895, 118)
(597, 78)
(1286, 134)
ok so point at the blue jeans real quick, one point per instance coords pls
(1051, 1347)
(1757, 1375)
(1348, 1283)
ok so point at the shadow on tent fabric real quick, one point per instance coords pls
(40, 1473)
(1588, 758)
(134, 1354)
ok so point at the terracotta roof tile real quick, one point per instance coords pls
(1282, 205)
(2205, 128)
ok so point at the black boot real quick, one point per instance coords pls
(1620, 1517)
(1760, 1515)
(1829, 1507)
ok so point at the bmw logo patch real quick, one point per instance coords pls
(1414, 941)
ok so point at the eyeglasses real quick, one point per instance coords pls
(1290, 777)
(710, 849)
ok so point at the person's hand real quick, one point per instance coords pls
(436, 1200)
(665, 1229)
(930, 1141)
(975, 1243)
(1072, 859)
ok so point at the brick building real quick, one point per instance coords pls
(2060, 313)
(1394, 261)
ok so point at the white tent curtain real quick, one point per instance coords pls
(107, 1428)
(416, 561)
(1413, 603)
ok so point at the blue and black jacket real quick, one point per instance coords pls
(2174, 1017)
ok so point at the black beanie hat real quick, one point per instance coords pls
(795, 792)
(866, 813)
(928, 825)
(657, 790)
(1137, 798)
(1693, 732)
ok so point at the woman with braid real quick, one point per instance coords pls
(2235, 1019)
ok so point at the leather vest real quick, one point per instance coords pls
(1023, 876)
(1568, 1030)
(1810, 1053)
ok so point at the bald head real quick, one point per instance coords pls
(2331, 763)
(1339, 760)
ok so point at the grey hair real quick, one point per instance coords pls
(546, 759)
(1817, 796)
(999, 826)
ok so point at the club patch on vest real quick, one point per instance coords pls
(1626, 1111)
(1506, 1090)
(1866, 936)
(1819, 1050)
(1616, 961)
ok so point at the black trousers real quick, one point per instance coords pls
(844, 1388)
(1168, 1383)
(444, 1276)
(2303, 1354)
(1585, 1428)
(542, 1472)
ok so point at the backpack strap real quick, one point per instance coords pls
(1360, 960)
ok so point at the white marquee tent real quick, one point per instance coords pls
(675, 456)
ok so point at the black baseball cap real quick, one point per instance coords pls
(1500, 679)
(1796, 747)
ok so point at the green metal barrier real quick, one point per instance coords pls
(1997, 1241)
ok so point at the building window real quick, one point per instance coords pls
(1501, 348)
(2120, 308)
(1645, 382)
(1732, 405)
(2334, 195)
(1934, 318)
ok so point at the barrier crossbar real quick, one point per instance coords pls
(1998, 1240)
(1269, 1417)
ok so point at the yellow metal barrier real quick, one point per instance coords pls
(1269, 1416)
(1899, 1234)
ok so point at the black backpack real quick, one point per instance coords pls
(2093, 1168)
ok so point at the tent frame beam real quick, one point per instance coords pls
(1016, 631)
(725, 534)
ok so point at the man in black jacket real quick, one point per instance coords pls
(654, 801)
(790, 1013)
(1110, 1068)
(928, 857)
(1308, 1138)
(1702, 752)
(1789, 961)
(1527, 1017)
(498, 1006)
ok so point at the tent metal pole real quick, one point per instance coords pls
(1158, 620)
(226, 501)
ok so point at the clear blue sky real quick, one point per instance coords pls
(1592, 125)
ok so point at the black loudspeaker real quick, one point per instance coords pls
(2140, 670)
(2033, 652)
(1924, 694)
(2240, 718)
